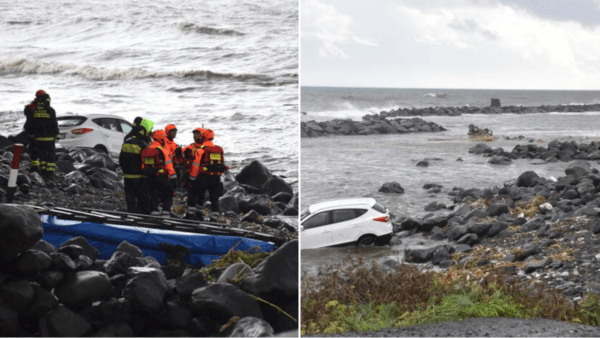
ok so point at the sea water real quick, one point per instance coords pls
(231, 66)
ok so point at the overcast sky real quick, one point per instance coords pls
(495, 44)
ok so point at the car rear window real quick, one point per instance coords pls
(70, 121)
(344, 215)
(106, 123)
(380, 208)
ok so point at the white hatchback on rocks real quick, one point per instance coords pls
(360, 220)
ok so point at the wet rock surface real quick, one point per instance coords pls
(97, 183)
(69, 291)
(370, 125)
(147, 299)
(556, 150)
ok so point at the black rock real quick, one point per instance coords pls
(497, 209)
(418, 255)
(291, 211)
(251, 216)
(282, 197)
(254, 174)
(172, 271)
(146, 288)
(63, 322)
(276, 185)
(72, 250)
(235, 273)
(223, 301)
(249, 327)
(391, 187)
(17, 294)
(21, 228)
(50, 279)
(63, 262)
(118, 329)
(43, 302)
(186, 284)
(130, 249)
(229, 203)
(32, 261)
(9, 322)
(84, 287)
(528, 179)
(88, 249)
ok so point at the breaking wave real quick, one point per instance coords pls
(99, 73)
(440, 95)
(192, 28)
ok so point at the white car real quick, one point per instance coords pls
(360, 220)
(101, 132)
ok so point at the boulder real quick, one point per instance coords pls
(220, 302)
(418, 255)
(276, 185)
(277, 273)
(21, 228)
(254, 174)
(101, 160)
(249, 327)
(146, 288)
(480, 148)
(528, 179)
(129, 248)
(84, 287)
(578, 168)
(88, 249)
(392, 187)
(17, 294)
(229, 203)
(63, 322)
(497, 209)
(186, 284)
(32, 261)
(235, 273)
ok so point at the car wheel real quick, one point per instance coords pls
(367, 241)
(101, 148)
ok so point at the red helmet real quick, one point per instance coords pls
(170, 127)
(208, 134)
(199, 130)
(159, 136)
(39, 93)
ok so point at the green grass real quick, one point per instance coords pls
(364, 298)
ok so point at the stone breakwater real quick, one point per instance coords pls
(86, 178)
(368, 126)
(69, 292)
(457, 111)
(540, 231)
(555, 151)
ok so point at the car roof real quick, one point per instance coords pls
(349, 203)
(90, 116)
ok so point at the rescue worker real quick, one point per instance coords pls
(137, 194)
(188, 155)
(173, 149)
(41, 127)
(208, 166)
(158, 168)
(136, 122)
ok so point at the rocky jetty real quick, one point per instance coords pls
(371, 124)
(556, 150)
(541, 231)
(68, 291)
(457, 111)
(86, 178)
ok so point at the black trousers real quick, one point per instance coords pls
(161, 191)
(204, 183)
(43, 155)
(137, 195)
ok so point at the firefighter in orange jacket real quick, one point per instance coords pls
(207, 168)
(189, 154)
(158, 167)
(174, 150)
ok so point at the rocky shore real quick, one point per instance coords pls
(45, 291)
(540, 231)
(555, 151)
(70, 292)
(495, 108)
(371, 124)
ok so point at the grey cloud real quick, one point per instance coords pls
(471, 26)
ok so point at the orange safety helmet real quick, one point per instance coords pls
(39, 93)
(159, 136)
(208, 134)
(199, 130)
(169, 127)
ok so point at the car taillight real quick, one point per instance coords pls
(81, 131)
(382, 219)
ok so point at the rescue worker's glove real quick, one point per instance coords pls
(178, 152)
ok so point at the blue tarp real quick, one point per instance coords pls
(106, 237)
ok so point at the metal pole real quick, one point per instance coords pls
(14, 171)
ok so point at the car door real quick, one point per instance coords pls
(345, 225)
(316, 231)
(112, 133)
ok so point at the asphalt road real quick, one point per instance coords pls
(487, 327)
